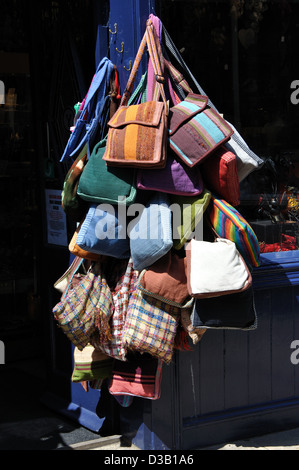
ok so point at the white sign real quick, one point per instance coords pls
(2, 92)
(2, 353)
(56, 218)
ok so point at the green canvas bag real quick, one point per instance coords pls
(102, 184)
(191, 210)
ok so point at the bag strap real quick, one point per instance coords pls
(94, 103)
(140, 92)
(236, 136)
(149, 40)
(170, 73)
(178, 77)
(99, 84)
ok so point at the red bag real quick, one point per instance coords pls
(139, 376)
(220, 175)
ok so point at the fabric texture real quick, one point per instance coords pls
(166, 278)
(150, 233)
(220, 174)
(235, 311)
(137, 134)
(188, 214)
(90, 364)
(175, 178)
(123, 281)
(193, 332)
(196, 130)
(103, 232)
(79, 252)
(85, 309)
(229, 223)
(101, 184)
(140, 376)
(66, 280)
(215, 268)
(151, 324)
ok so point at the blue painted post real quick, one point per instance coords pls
(126, 27)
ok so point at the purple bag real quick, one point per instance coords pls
(174, 178)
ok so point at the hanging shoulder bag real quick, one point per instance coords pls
(196, 129)
(215, 269)
(137, 134)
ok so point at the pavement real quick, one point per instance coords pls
(26, 424)
(284, 440)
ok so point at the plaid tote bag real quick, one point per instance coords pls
(85, 309)
(113, 345)
(151, 324)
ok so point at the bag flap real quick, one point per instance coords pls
(146, 114)
(187, 109)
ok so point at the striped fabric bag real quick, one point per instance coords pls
(230, 224)
(137, 134)
(196, 129)
(91, 365)
(140, 376)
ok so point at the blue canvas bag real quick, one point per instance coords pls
(103, 232)
(94, 112)
(151, 232)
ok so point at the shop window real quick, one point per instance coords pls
(243, 53)
(19, 188)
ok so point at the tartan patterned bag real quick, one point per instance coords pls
(113, 345)
(151, 324)
(85, 309)
(137, 134)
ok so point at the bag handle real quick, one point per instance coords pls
(170, 73)
(149, 40)
(99, 82)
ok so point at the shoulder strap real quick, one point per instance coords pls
(149, 41)
(236, 137)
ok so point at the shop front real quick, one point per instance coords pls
(233, 384)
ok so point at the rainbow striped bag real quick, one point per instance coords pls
(196, 129)
(230, 224)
